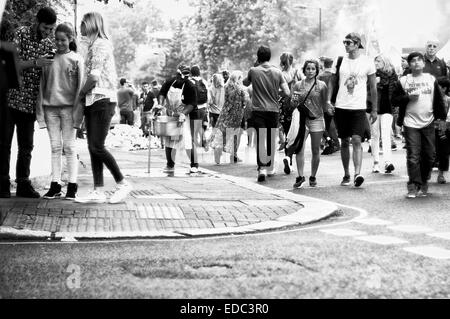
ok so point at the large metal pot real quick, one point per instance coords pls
(166, 126)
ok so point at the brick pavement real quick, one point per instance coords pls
(175, 206)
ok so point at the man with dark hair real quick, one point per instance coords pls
(355, 73)
(146, 102)
(125, 102)
(421, 105)
(33, 45)
(202, 103)
(266, 81)
(330, 135)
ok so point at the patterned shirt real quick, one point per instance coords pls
(29, 48)
(100, 62)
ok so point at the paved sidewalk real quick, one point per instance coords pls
(160, 206)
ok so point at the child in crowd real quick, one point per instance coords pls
(59, 109)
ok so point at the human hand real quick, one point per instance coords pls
(330, 109)
(43, 61)
(414, 95)
(373, 117)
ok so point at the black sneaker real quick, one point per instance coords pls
(5, 191)
(359, 180)
(389, 168)
(299, 182)
(72, 189)
(312, 182)
(287, 169)
(54, 191)
(346, 181)
(25, 189)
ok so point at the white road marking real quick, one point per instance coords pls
(412, 229)
(429, 251)
(440, 235)
(383, 240)
(374, 222)
(343, 232)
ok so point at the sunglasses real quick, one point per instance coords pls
(432, 46)
(348, 42)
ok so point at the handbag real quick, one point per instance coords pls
(302, 108)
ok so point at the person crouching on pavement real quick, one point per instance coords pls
(179, 97)
(421, 104)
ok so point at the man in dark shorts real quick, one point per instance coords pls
(355, 72)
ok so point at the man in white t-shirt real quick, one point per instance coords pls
(351, 74)
(420, 105)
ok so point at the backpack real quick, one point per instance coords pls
(202, 92)
(336, 84)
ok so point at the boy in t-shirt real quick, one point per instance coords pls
(421, 105)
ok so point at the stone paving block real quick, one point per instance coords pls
(42, 204)
(126, 226)
(73, 224)
(134, 224)
(116, 225)
(117, 214)
(91, 225)
(38, 223)
(47, 223)
(11, 219)
(218, 224)
(82, 224)
(142, 225)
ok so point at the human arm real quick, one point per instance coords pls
(78, 107)
(373, 97)
(327, 107)
(40, 118)
(284, 87)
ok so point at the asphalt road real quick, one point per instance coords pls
(393, 252)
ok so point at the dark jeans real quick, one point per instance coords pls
(24, 122)
(98, 120)
(265, 124)
(442, 155)
(192, 153)
(420, 152)
(127, 117)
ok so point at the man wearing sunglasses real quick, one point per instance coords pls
(353, 75)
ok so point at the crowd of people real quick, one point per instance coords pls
(338, 104)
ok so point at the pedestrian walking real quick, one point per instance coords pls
(217, 98)
(386, 79)
(353, 72)
(60, 110)
(227, 133)
(292, 76)
(178, 95)
(125, 96)
(202, 107)
(266, 81)
(100, 98)
(309, 101)
(34, 47)
(421, 104)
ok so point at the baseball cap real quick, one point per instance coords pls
(355, 37)
(184, 69)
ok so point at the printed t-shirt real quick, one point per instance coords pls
(419, 114)
(353, 76)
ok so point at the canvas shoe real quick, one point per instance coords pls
(287, 168)
(262, 174)
(72, 189)
(423, 191)
(193, 170)
(54, 191)
(299, 182)
(376, 168)
(312, 181)
(122, 191)
(389, 168)
(92, 197)
(412, 191)
(346, 181)
(168, 169)
(359, 180)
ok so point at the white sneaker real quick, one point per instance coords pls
(93, 197)
(193, 170)
(271, 173)
(122, 191)
(262, 174)
(376, 168)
